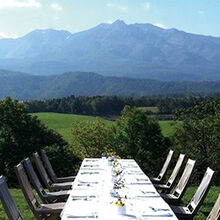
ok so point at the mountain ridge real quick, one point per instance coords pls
(117, 49)
(26, 86)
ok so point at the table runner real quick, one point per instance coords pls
(93, 195)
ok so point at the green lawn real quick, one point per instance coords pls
(168, 127)
(21, 204)
(205, 209)
(150, 109)
(207, 204)
(62, 123)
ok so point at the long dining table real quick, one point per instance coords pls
(94, 194)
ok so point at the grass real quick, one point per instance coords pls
(150, 109)
(203, 212)
(168, 127)
(21, 204)
(62, 123)
(207, 204)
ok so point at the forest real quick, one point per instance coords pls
(113, 105)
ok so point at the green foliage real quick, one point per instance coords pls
(140, 137)
(20, 135)
(92, 138)
(199, 136)
(57, 157)
(112, 105)
(134, 135)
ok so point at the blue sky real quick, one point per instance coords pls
(18, 17)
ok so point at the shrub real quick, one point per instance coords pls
(21, 134)
(92, 138)
(199, 137)
(140, 137)
(133, 136)
(63, 160)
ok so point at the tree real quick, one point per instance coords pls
(140, 137)
(92, 138)
(199, 136)
(21, 134)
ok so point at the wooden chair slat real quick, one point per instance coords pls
(166, 188)
(193, 207)
(26, 189)
(164, 169)
(181, 187)
(52, 212)
(52, 197)
(7, 201)
(215, 212)
(34, 179)
(51, 172)
(48, 166)
(41, 170)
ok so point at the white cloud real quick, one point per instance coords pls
(19, 4)
(56, 6)
(110, 22)
(122, 8)
(4, 35)
(160, 25)
(146, 5)
(201, 12)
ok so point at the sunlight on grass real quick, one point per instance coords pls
(62, 123)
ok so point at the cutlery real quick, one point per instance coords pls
(82, 184)
(139, 183)
(158, 209)
(91, 166)
(159, 215)
(82, 197)
(153, 196)
(138, 179)
(90, 173)
(147, 192)
(85, 182)
(85, 216)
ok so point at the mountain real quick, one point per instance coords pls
(117, 49)
(25, 86)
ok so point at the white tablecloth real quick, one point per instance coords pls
(92, 196)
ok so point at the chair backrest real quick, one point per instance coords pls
(48, 166)
(201, 192)
(41, 170)
(215, 213)
(184, 179)
(166, 164)
(176, 170)
(34, 179)
(7, 201)
(26, 189)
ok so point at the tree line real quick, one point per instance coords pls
(113, 105)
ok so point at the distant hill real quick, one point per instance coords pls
(118, 49)
(25, 86)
